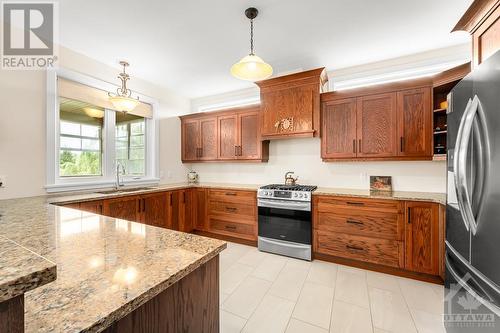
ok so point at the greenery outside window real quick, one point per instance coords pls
(130, 143)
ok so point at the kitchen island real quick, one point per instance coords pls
(92, 273)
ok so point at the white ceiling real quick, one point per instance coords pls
(189, 46)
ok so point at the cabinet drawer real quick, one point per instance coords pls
(238, 196)
(330, 204)
(374, 250)
(363, 223)
(240, 210)
(240, 230)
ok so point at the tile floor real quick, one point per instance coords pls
(262, 292)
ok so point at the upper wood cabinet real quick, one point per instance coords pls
(229, 135)
(339, 120)
(482, 21)
(376, 125)
(199, 138)
(291, 104)
(387, 122)
(415, 122)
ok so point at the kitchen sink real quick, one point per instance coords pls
(125, 190)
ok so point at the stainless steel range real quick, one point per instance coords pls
(285, 220)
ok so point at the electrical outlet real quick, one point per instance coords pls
(161, 174)
(3, 181)
(169, 174)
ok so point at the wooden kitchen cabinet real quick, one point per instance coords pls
(200, 209)
(386, 122)
(290, 104)
(232, 213)
(186, 202)
(482, 21)
(415, 122)
(92, 206)
(376, 125)
(339, 121)
(126, 208)
(153, 209)
(422, 237)
(230, 135)
(199, 139)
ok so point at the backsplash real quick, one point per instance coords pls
(303, 157)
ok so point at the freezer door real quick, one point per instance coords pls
(470, 304)
(485, 201)
(457, 229)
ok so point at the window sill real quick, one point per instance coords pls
(100, 184)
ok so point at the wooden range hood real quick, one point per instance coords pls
(290, 105)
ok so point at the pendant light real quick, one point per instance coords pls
(122, 100)
(251, 67)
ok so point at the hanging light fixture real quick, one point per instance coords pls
(251, 67)
(122, 100)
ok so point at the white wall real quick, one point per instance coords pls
(22, 124)
(303, 157)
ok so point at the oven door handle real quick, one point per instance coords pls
(281, 243)
(282, 204)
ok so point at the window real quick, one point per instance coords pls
(80, 140)
(130, 143)
(87, 139)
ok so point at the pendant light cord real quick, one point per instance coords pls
(251, 37)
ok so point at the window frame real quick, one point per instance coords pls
(56, 183)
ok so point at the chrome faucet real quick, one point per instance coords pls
(119, 167)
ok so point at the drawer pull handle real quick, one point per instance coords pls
(231, 193)
(231, 227)
(354, 222)
(353, 203)
(355, 248)
(231, 209)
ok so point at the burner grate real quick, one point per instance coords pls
(305, 188)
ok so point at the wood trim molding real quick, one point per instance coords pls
(453, 74)
(210, 114)
(475, 15)
(313, 73)
(377, 89)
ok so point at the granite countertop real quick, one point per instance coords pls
(22, 270)
(106, 267)
(396, 195)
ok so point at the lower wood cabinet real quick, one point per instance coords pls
(153, 209)
(405, 235)
(126, 208)
(87, 206)
(232, 213)
(423, 237)
(200, 209)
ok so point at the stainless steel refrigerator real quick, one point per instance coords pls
(472, 284)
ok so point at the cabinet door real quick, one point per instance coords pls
(154, 209)
(339, 129)
(190, 139)
(415, 122)
(92, 206)
(173, 213)
(227, 140)
(249, 136)
(422, 237)
(201, 209)
(208, 139)
(376, 125)
(126, 208)
(186, 210)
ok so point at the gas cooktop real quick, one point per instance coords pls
(281, 187)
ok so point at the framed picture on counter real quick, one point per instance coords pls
(381, 183)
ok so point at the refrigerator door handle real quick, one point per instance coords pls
(495, 309)
(456, 158)
(464, 201)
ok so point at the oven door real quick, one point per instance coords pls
(285, 220)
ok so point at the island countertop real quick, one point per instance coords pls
(106, 267)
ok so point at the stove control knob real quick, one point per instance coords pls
(300, 195)
(306, 195)
(295, 195)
